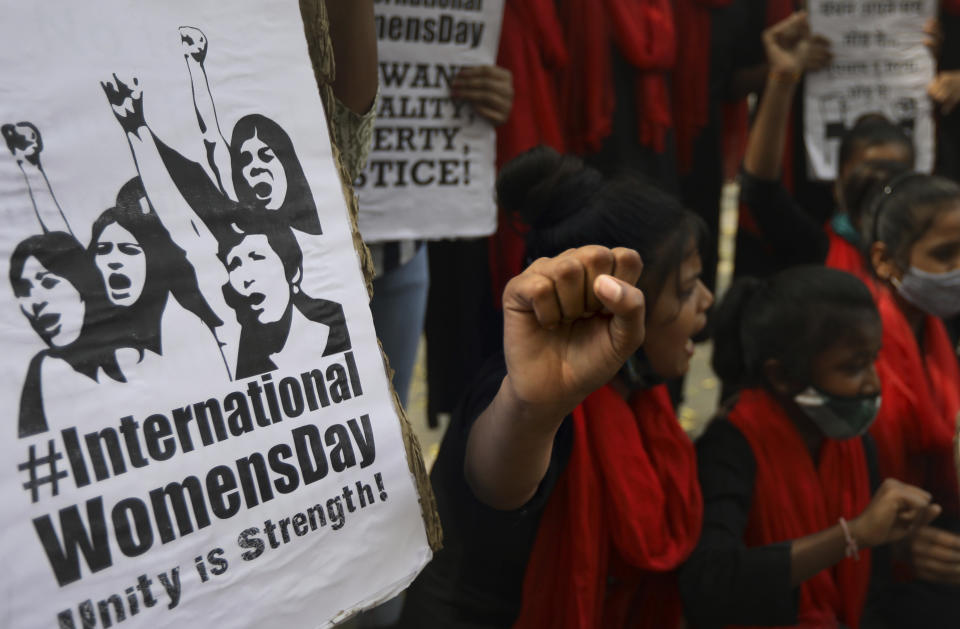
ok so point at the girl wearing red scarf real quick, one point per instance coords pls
(775, 230)
(913, 232)
(787, 476)
(566, 487)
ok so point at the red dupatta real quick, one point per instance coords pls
(626, 513)
(794, 497)
(532, 48)
(921, 397)
(844, 256)
(644, 33)
(691, 79)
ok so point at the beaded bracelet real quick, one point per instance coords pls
(853, 550)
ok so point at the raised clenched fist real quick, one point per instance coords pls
(126, 99)
(24, 142)
(194, 43)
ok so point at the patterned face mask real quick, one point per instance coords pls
(839, 417)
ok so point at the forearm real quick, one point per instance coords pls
(215, 145)
(45, 204)
(354, 39)
(813, 553)
(509, 450)
(764, 158)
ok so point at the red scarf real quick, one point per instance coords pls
(921, 398)
(793, 498)
(644, 33)
(951, 6)
(691, 79)
(626, 512)
(532, 48)
(844, 256)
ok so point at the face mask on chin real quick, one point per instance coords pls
(838, 417)
(937, 294)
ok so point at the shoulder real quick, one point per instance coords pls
(724, 447)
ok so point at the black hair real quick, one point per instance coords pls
(568, 204)
(903, 209)
(863, 183)
(298, 209)
(790, 317)
(167, 271)
(873, 129)
(259, 340)
(62, 255)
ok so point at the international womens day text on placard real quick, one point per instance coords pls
(431, 170)
(880, 64)
(200, 430)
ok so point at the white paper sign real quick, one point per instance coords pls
(880, 64)
(200, 430)
(431, 170)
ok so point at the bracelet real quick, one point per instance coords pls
(852, 550)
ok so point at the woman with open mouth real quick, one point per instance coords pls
(141, 269)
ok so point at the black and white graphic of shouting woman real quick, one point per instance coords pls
(248, 260)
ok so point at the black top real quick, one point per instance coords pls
(788, 234)
(724, 582)
(948, 128)
(476, 580)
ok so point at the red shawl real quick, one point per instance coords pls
(691, 79)
(844, 256)
(626, 512)
(921, 398)
(532, 48)
(793, 498)
(644, 33)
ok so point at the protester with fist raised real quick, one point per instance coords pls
(566, 486)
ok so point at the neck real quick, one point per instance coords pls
(916, 318)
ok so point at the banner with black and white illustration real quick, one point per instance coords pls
(200, 430)
(431, 169)
(880, 64)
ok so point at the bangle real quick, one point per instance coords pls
(785, 76)
(852, 550)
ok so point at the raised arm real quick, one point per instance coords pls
(25, 144)
(186, 229)
(791, 232)
(570, 323)
(791, 50)
(216, 147)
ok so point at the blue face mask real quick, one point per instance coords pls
(937, 294)
(838, 417)
(844, 228)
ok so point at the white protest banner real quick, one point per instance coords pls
(200, 430)
(880, 64)
(431, 170)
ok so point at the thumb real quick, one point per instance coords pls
(627, 305)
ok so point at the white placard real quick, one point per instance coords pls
(431, 170)
(880, 64)
(200, 431)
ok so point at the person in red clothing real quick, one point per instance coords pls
(566, 486)
(775, 230)
(787, 471)
(912, 234)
